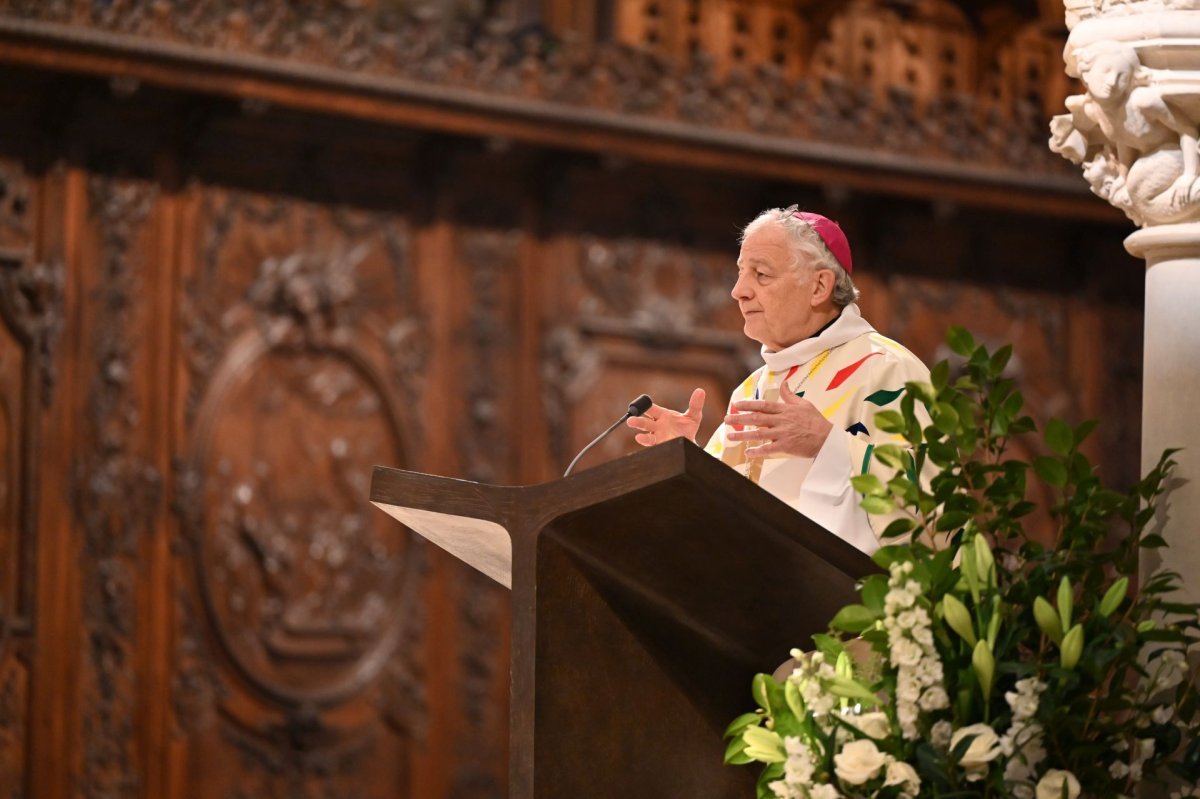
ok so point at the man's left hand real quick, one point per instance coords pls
(792, 426)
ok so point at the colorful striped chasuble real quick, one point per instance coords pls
(849, 372)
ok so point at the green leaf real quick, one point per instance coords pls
(889, 455)
(740, 723)
(903, 490)
(874, 591)
(828, 645)
(1012, 406)
(945, 418)
(1000, 359)
(1001, 424)
(884, 557)
(1051, 470)
(771, 773)
(960, 341)
(1021, 426)
(939, 376)
(922, 391)
(795, 702)
(1059, 436)
(942, 453)
(898, 528)
(735, 753)
(869, 485)
(1084, 430)
(1113, 597)
(878, 505)
(952, 520)
(854, 619)
(963, 502)
(760, 687)
(890, 422)
(931, 766)
(852, 689)
(875, 636)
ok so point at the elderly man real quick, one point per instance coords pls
(802, 444)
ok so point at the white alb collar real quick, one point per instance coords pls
(849, 326)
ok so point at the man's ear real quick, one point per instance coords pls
(823, 284)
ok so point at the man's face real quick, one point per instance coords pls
(776, 300)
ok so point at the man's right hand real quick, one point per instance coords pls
(659, 424)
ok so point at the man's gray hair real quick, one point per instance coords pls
(808, 249)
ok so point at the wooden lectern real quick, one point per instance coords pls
(645, 594)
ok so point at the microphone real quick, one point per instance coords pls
(636, 408)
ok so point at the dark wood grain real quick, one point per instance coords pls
(646, 593)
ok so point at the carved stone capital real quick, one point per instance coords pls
(1135, 134)
(1134, 131)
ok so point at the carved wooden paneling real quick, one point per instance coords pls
(645, 316)
(31, 323)
(668, 375)
(489, 258)
(1024, 72)
(488, 248)
(300, 617)
(115, 491)
(927, 51)
(733, 34)
(865, 75)
(14, 418)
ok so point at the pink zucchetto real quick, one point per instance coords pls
(830, 233)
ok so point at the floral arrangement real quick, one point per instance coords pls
(989, 664)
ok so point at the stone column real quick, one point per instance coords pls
(1134, 133)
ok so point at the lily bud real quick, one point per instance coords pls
(759, 686)
(959, 618)
(1114, 596)
(985, 563)
(1066, 602)
(795, 701)
(994, 623)
(1072, 647)
(843, 667)
(1047, 620)
(763, 745)
(985, 667)
(967, 568)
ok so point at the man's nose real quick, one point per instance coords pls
(741, 289)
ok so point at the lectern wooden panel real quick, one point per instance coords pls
(646, 592)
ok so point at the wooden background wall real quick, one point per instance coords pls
(245, 255)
